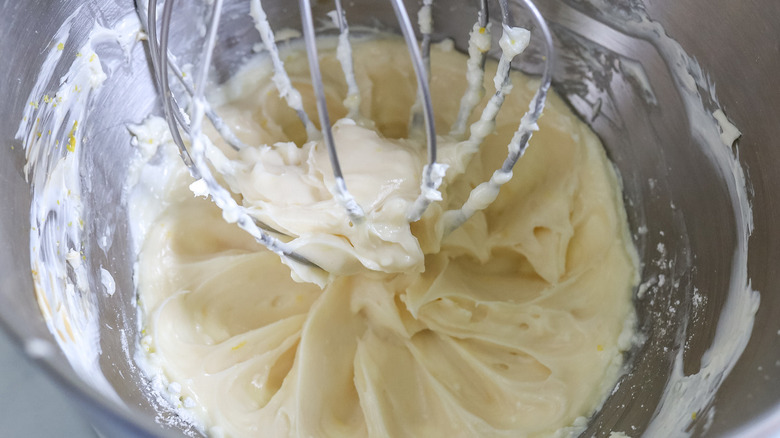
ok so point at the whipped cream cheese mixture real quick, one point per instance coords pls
(512, 325)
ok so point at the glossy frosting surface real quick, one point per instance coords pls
(513, 325)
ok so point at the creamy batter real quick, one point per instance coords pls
(512, 325)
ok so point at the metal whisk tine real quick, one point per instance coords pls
(171, 113)
(222, 128)
(425, 23)
(484, 194)
(344, 55)
(503, 85)
(194, 158)
(433, 172)
(354, 211)
(219, 124)
(504, 6)
(282, 81)
(425, 18)
(483, 17)
(479, 45)
(150, 15)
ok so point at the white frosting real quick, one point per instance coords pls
(108, 281)
(425, 17)
(728, 132)
(512, 325)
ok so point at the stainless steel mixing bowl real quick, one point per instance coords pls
(671, 186)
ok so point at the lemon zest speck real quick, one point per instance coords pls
(72, 137)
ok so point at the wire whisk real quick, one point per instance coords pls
(188, 125)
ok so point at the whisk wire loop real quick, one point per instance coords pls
(432, 172)
(354, 210)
